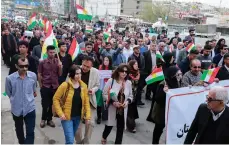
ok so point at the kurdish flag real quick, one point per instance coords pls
(41, 22)
(209, 75)
(106, 36)
(190, 47)
(50, 39)
(156, 75)
(89, 29)
(46, 25)
(82, 13)
(5, 19)
(32, 21)
(159, 56)
(74, 49)
(104, 76)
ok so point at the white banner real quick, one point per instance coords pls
(181, 107)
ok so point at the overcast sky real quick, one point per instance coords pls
(225, 3)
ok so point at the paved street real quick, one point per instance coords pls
(49, 135)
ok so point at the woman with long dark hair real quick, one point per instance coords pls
(118, 94)
(132, 112)
(219, 45)
(106, 65)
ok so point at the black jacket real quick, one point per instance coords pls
(200, 122)
(148, 61)
(223, 74)
(33, 42)
(184, 65)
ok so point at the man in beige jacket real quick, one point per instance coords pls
(90, 76)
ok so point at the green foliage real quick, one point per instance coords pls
(152, 12)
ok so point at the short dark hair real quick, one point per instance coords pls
(191, 30)
(115, 74)
(207, 47)
(22, 58)
(207, 42)
(72, 71)
(194, 51)
(108, 43)
(88, 58)
(226, 56)
(85, 39)
(50, 47)
(128, 41)
(60, 44)
(88, 43)
(23, 43)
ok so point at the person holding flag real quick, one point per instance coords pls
(49, 70)
(172, 80)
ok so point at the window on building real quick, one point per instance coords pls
(137, 7)
(138, 2)
(121, 11)
(137, 13)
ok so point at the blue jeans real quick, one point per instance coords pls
(70, 127)
(29, 120)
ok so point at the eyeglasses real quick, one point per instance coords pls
(209, 99)
(23, 66)
(124, 71)
(196, 67)
(162, 46)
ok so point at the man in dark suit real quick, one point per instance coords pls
(211, 123)
(150, 59)
(223, 73)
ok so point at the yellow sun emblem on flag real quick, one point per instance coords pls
(154, 75)
(85, 11)
(210, 72)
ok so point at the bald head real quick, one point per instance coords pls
(195, 66)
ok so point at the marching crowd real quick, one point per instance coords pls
(69, 88)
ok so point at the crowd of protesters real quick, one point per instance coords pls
(130, 55)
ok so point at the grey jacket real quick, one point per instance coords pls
(36, 53)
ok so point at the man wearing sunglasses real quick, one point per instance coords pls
(210, 125)
(192, 77)
(21, 89)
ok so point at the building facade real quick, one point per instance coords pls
(103, 7)
(133, 7)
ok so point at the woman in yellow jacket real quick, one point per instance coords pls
(76, 105)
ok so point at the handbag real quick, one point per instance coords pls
(62, 101)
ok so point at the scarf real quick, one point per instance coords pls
(134, 74)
